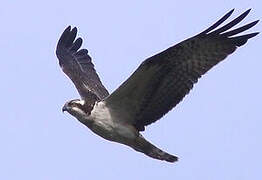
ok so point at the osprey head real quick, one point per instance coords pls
(80, 109)
(75, 107)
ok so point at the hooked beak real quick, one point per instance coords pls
(64, 108)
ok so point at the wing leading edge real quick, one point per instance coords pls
(163, 80)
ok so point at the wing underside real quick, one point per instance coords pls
(77, 65)
(163, 80)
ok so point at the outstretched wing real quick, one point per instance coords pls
(77, 65)
(163, 80)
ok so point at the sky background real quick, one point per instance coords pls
(215, 131)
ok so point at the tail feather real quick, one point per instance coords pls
(161, 155)
(142, 145)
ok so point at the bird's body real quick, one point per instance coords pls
(157, 86)
(101, 122)
(111, 127)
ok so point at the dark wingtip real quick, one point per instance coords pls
(74, 30)
(253, 34)
(244, 14)
(68, 27)
(240, 29)
(241, 40)
(66, 31)
(219, 22)
(231, 11)
(64, 35)
(248, 10)
(232, 23)
(255, 22)
(66, 41)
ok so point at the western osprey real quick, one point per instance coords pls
(158, 84)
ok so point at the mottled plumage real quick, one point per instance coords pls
(157, 86)
(78, 66)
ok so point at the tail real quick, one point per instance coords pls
(142, 145)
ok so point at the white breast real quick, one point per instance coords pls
(109, 128)
(101, 113)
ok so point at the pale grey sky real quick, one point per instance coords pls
(215, 131)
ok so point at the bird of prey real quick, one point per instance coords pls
(157, 86)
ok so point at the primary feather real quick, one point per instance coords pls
(163, 80)
(78, 66)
